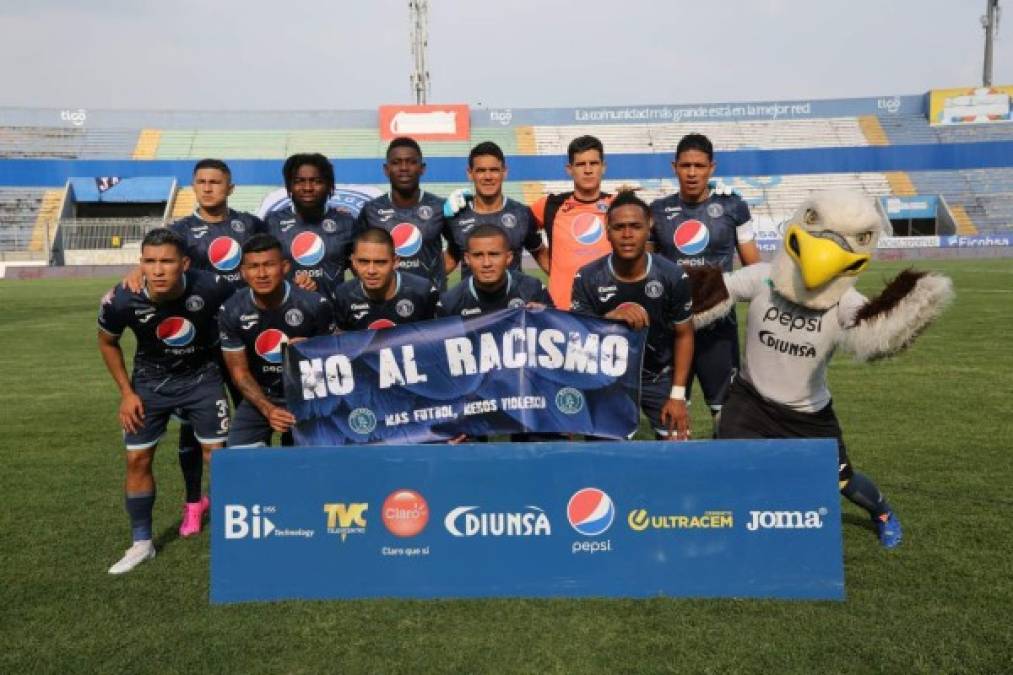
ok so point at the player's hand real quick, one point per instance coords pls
(675, 416)
(456, 201)
(131, 412)
(460, 438)
(720, 188)
(633, 314)
(304, 281)
(134, 281)
(280, 419)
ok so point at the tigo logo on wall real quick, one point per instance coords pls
(450, 122)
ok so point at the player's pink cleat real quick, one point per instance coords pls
(193, 517)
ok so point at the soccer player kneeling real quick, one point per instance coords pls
(174, 320)
(644, 291)
(256, 324)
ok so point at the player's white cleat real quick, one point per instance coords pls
(140, 552)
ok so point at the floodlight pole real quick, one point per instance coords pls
(419, 39)
(990, 22)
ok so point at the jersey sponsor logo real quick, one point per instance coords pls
(307, 249)
(805, 350)
(508, 220)
(194, 303)
(146, 318)
(794, 322)
(176, 331)
(269, 344)
(569, 401)
(691, 237)
(294, 317)
(199, 234)
(786, 520)
(380, 324)
(715, 210)
(224, 253)
(654, 289)
(590, 511)
(588, 228)
(407, 239)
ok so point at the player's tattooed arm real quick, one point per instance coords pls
(239, 370)
(131, 412)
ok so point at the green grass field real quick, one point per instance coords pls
(931, 427)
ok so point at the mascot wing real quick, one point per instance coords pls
(711, 299)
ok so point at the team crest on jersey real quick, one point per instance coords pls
(569, 401)
(238, 226)
(194, 303)
(515, 303)
(294, 317)
(404, 308)
(603, 206)
(362, 421)
(691, 237)
(654, 289)
(588, 228)
(329, 226)
(425, 212)
(715, 210)
(508, 220)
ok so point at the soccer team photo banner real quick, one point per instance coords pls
(511, 371)
(609, 519)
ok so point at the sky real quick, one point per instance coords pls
(344, 54)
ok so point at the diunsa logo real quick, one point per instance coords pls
(462, 522)
(786, 520)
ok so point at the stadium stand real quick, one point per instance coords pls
(67, 143)
(19, 213)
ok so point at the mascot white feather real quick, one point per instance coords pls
(802, 307)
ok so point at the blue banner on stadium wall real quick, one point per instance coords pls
(619, 519)
(506, 372)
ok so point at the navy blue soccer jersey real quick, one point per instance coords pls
(264, 332)
(322, 249)
(516, 221)
(179, 336)
(465, 299)
(418, 232)
(414, 300)
(218, 247)
(706, 233)
(664, 293)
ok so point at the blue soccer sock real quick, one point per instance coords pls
(191, 462)
(139, 508)
(862, 491)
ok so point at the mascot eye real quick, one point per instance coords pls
(810, 217)
(863, 238)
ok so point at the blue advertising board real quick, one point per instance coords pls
(606, 519)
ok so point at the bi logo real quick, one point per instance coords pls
(176, 331)
(307, 249)
(407, 239)
(588, 228)
(225, 253)
(269, 345)
(590, 511)
(691, 237)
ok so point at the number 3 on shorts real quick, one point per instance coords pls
(223, 413)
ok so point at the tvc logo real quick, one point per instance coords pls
(239, 523)
(346, 519)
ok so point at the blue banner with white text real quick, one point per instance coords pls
(512, 371)
(607, 519)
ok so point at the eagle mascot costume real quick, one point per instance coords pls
(802, 307)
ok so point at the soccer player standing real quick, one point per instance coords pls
(644, 291)
(695, 227)
(487, 170)
(256, 323)
(414, 218)
(174, 320)
(574, 222)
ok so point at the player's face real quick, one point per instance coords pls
(264, 271)
(487, 173)
(163, 268)
(693, 169)
(374, 264)
(309, 189)
(488, 258)
(586, 170)
(628, 230)
(404, 167)
(212, 188)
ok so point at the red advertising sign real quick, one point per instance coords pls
(449, 122)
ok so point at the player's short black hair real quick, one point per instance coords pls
(483, 149)
(695, 142)
(163, 236)
(374, 235)
(627, 198)
(404, 142)
(486, 231)
(260, 242)
(583, 144)
(299, 159)
(209, 163)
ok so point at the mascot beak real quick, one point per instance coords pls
(821, 260)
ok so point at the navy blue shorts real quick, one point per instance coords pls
(715, 360)
(250, 429)
(197, 398)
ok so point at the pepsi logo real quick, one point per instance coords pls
(588, 228)
(269, 345)
(176, 331)
(407, 239)
(691, 237)
(224, 253)
(405, 513)
(590, 511)
(307, 249)
(380, 324)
